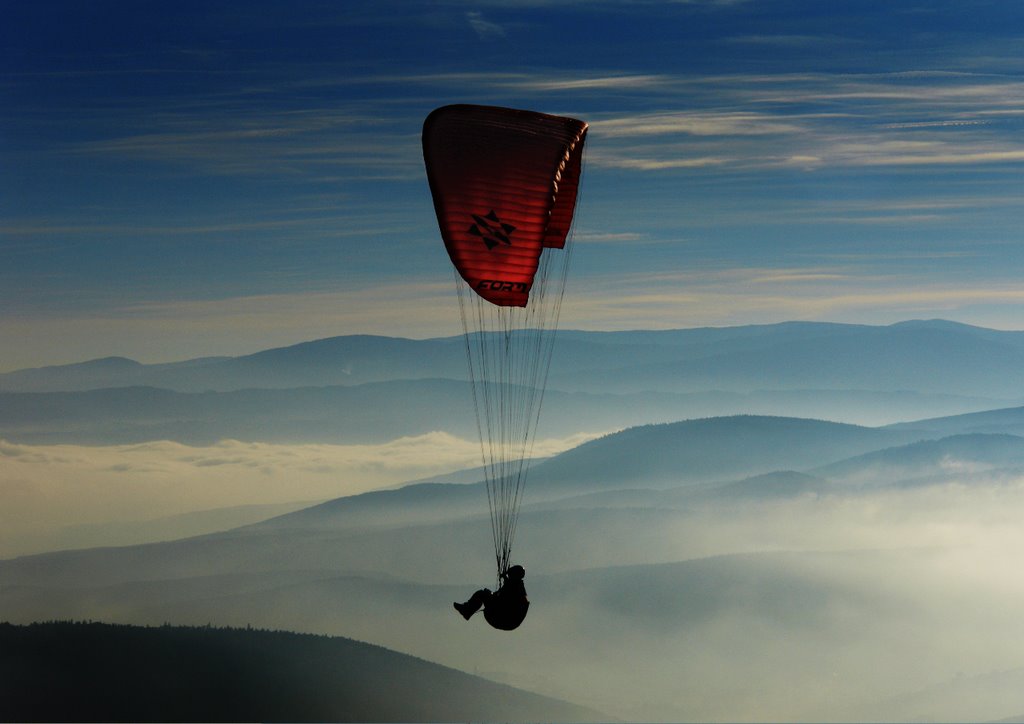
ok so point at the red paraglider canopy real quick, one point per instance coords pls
(504, 185)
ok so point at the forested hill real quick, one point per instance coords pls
(66, 671)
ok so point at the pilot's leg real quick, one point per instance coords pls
(474, 603)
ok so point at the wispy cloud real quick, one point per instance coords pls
(43, 227)
(791, 40)
(737, 121)
(610, 160)
(598, 3)
(592, 83)
(815, 121)
(937, 124)
(239, 137)
(599, 237)
(482, 27)
(697, 123)
(944, 158)
(789, 276)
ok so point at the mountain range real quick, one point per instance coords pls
(656, 533)
(685, 456)
(363, 389)
(924, 356)
(683, 567)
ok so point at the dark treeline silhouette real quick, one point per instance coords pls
(85, 671)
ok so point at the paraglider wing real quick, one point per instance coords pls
(504, 186)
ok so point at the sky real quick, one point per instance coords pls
(216, 178)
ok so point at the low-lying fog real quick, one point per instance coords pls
(858, 591)
(886, 605)
(65, 496)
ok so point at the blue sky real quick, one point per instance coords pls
(204, 178)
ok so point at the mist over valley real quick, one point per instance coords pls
(702, 567)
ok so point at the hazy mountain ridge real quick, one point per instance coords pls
(126, 415)
(181, 525)
(127, 673)
(961, 698)
(690, 461)
(722, 447)
(333, 361)
(985, 457)
(1005, 420)
(957, 359)
(664, 455)
(311, 392)
(951, 455)
(923, 359)
(400, 408)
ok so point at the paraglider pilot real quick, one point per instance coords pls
(505, 608)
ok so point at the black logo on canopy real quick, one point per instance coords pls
(491, 230)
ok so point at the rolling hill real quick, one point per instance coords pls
(1008, 421)
(711, 448)
(649, 456)
(953, 457)
(127, 673)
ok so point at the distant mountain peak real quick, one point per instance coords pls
(112, 363)
(942, 324)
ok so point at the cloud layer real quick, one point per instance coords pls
(49, 488)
